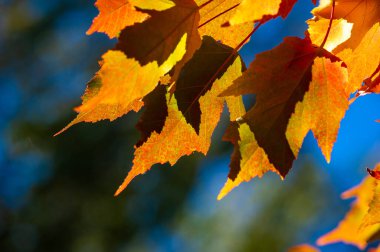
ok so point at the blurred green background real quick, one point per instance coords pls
(56, 193)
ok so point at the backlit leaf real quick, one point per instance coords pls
(252, 10)
(362, 13)
(195, 81)
(178, 138)
(322, 108)
(114, 15)
(363, 219)
(248, 159)
(121, 83)
(363, 60)
(340, 32)
(217, 13)
(157, 37)
(279, 78)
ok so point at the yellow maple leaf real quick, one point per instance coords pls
(253, 160)
(362, 221)
(253, 10)
(178, 138)
(217, 13)
(340, 32)
(362, 13)
(121, 84)
(373, 215)
(363, 60)
(322, 108)
(115, 15)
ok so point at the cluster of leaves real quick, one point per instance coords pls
(179, 60)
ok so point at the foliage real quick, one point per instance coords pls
(180, 61)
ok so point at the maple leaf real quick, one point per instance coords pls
(252, 10)
(326, 92)
(248, 159)
(322, 108)
(178, 138)
(194, 81)
(120, 84)
(157, 37)
(363, 219)
(154, 116)
(362, 13)
(363, 60)
(340, 32)
(215, 14)
(280, 78)
(113, 16)
(299, 87)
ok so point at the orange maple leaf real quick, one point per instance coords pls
(115, 15)
(177, 138)
(120, 84)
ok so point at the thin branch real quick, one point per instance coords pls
(205, 4)
(233, 53)
(208, 21)
(330, 25)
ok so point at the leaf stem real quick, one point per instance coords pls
(371, 84)
(233, 53)
(330, 25)
(205, 4)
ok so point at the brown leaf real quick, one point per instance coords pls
(208, 64)
(157, 37)
(178, 138)
(279, 78)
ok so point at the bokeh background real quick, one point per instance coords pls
(56, 193)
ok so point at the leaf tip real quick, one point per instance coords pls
(125, 183)
(375, 174)
(63, 130)
(118, 191)
(73, 122)
(221, 195)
